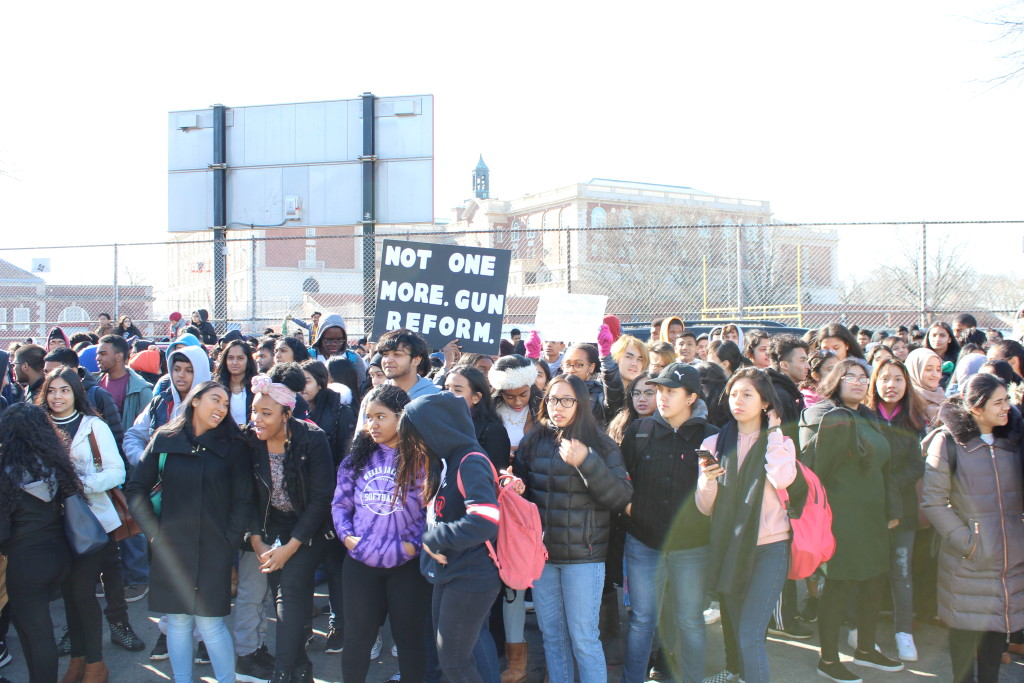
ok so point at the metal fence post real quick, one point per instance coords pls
(117, 290)
(252, 294)
(923, 274)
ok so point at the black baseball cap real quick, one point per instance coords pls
(679, 376)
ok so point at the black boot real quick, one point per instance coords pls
(609, 629)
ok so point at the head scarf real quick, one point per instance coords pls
(969, 365)
(262, 384)
(915, 366)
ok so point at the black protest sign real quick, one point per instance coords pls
(443, 292)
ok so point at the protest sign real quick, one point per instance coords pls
(443, 292)
(570, 317)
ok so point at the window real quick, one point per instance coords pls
(21, 315)
(627, 219)
(703, 231)
(514, 233)
(74, 314)
(311, 286)
(598, 218)
(3, 318)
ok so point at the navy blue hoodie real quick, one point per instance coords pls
(457, 526)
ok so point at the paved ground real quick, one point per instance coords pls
(791, 662)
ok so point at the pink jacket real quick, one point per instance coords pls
(781, 469)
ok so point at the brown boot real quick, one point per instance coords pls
(76, 669)
(516, 656)
(96, 672)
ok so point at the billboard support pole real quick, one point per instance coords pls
(368, 159)
(220, 196)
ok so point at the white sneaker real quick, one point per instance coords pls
(377, 645)
(851, 639)
(529, 606)
(906, 647)
(712, 615)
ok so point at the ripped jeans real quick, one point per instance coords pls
(900, 572)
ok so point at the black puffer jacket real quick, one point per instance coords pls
(576, 505)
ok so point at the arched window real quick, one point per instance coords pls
(514, 232)
(627, 219)
(311, 286)
(598, 218)
(74, 314)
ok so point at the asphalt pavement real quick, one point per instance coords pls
(791, 661)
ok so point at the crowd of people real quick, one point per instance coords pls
(227, 476)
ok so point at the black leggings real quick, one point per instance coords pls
(458, 617)
(112, 577)
(292, 587)
(372, 593)
(833, 606)
(82, 609)
(34, 575)
(335, 555)
(985, 647)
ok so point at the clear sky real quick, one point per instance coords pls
(834, 112)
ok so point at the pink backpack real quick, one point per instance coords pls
(521, 553)
(813, 542)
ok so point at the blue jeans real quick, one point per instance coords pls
(752, 610)
(485, 654)
(901, 549)
(567, 598)
(648, 570)
(135, 559)
(218, 643)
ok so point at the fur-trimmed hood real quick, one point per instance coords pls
(959, 422)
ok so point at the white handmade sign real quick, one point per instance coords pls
(570, 317)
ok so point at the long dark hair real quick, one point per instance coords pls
(832, 384)
(814, 364)
(221, 369)
(584, 425)
(31, 449)
(343, 371)
(626, 416)
(837, 331)
(299, 351)
(484, 408)
(77, 390)
(975, 393)
(912, 414)
(728, 351)
(183, 422)
(394, 399)
(318, 371)
(953, 350)
(762, 385)
(712, 384)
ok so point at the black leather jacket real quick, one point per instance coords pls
(309, 444)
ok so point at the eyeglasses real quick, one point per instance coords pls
(565, 402)
(574, 366)
(855, 379)
(646, 394)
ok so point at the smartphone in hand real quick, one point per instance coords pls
(707, 458)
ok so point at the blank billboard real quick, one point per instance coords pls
(306, 153)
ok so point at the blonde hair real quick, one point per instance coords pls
(624, 342)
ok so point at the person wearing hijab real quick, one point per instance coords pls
(967, 366)
(925, 369)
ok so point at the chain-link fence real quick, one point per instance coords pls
(877, 275)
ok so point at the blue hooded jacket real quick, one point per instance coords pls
(457, 525)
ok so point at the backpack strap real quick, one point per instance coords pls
(643, 434)
(950, 444)
(97, 460)
(90, 394)
(458, 482)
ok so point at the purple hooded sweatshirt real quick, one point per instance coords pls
(365, 506)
